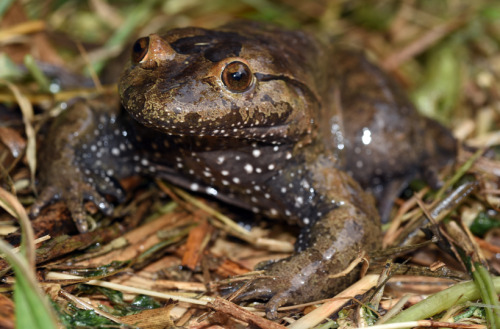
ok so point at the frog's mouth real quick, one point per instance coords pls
(229, 126)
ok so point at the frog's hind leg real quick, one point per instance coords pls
(325, 248)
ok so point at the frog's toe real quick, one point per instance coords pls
(77, 209)
(276, 302)
(47, 196)
(273, 290)
(100, 201)
(78, 214)
(259, 289)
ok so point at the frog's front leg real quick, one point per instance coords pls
(82, 157)
(325, 247)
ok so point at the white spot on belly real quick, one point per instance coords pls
(248, 168)
(211, 191)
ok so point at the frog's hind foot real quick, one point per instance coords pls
(271, 289)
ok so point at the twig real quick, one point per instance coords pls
(240, 313)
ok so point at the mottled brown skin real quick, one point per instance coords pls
(265, 119)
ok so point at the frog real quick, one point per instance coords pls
(270, 120)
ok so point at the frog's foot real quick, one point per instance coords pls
(274, 290)
(300, 278)
(73, 196)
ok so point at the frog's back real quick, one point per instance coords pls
(386, 142)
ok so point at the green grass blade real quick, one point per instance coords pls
(32, 307)
(443, 300)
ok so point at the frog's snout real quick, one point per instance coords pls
(148, 52)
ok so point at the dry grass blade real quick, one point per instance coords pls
(27, 110)
(36, 241)
(127, 289)
(10, 203)
(421, 44)
(240, 313)
(157, 318)
(62, 96)
(361, 258)
(22, 28)
(79, 302)
(232, 227)
(428, 324)
(318, 315)
(394, 310)
(226, 220)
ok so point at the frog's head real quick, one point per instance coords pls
(252, 84)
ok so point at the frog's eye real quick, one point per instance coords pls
(237, 77)
(140, 50)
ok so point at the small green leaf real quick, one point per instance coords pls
(484, 222)
(142, 302)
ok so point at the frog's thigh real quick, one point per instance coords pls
(351, 224)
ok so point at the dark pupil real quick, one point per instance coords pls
(237, 76)
(140, 49)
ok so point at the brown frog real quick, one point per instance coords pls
(263, 118)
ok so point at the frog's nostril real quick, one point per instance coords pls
(151, 51)
(140, 50)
